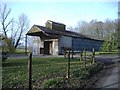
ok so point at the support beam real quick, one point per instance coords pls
(30, 72)
(93, 59)
(68, 67)
(85, 58)
(81, 56)
(72, 53)
(26, 44)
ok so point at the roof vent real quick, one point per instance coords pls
(55, 25)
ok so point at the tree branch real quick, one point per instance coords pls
(8, 23)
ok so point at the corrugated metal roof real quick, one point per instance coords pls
(59, 32)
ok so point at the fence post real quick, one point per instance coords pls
(93, 59)
(72, 53)
(81, 54)
(68, 67)
(64, 53)
(85, 58)
(26, 44)
(30, 72)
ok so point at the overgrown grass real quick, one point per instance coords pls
(19, 51)
(15, 71)
(111, 52)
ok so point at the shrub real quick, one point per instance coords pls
(51, 83)
(80, 73)
(92, 69)
(7, 45)
(85, 74)
(76, 73)
(4, 56)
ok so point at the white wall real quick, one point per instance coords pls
(36, 45)
(55, 47)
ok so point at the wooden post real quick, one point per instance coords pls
(30, 71)
(85, 58)
(72, 53)
(64, 52)
(81, 54)
(91, 59)
(99, 51)
(26, 44)
(93, 56)
(68, 67)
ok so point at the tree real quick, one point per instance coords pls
(4, 13)
(7, 45)
(5, 23)
(92, 29)
(106, 30)
(23, 25)
(111, 32)
(16, 28)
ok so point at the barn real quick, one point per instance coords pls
(54, 38)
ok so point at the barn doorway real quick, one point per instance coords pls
(48, 47)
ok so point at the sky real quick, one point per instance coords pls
(67, 12)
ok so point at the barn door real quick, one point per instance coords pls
(47, 47)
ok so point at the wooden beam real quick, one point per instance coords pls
(85, 58)
(30, 72)
(68, 67)
(93, 59)
(26, 44)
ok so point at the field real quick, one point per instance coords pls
(15, 72)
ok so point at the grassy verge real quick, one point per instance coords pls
(111, 52)
(20, 51)
(15, 72)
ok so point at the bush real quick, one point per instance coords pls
(92, 69)
(4, 56)
(51, 83)
(8, 45)
(85, 74)
(81, 73)
(76, 73)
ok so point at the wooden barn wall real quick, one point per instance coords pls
(80, 44)
(64, 41)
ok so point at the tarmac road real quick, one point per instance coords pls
(108, 59)
(111, 78)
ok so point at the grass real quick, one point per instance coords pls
(20, 51)
(103, 52)
(15, 70)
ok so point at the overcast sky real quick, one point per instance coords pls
(68, 12)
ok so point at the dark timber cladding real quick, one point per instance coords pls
(54, 33)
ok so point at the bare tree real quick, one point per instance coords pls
(96, 29)
(23, 25)
(16, 28)
(106, 30)
(4, 13)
